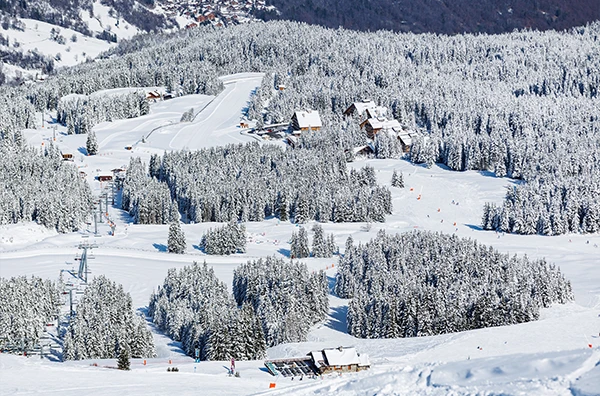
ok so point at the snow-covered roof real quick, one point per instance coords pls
(376, 111)
(341, 356)
(308, 118)
(364, 105)
(317, 358)
(405, 137)
(391, 124)
(375, 123)
(370, 107)
(364, 360)
(357, 150)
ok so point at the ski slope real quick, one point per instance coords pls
(551, 356)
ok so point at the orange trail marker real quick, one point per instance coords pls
(272, 385)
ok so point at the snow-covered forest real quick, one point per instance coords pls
(29, 178)
(273, 301)
(322, 246)
(105, 323)
(80, 112)
(424, 283)
(147, 200)
(27, 305)
(250, 182)
(287, 299)
(228, 239)
(193, 306)
(476, 100)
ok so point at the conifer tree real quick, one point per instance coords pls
(124, 362)
(319, 247)
(176, 241)
(283, 208)
(299, 244)
(397, 179)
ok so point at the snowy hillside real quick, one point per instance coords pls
(556, 355)
(98, 29)
(36, 36)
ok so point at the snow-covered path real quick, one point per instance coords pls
(219, 121)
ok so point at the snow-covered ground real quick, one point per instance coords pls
(551, 356)
(36, 36)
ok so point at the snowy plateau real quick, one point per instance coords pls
(558, 354)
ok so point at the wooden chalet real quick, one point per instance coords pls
(406, 139)
(67, 156)
(306, 120)
(243, 124)
(339, 360)
(366, 109)
(363, 150)
(104, 178)
(153, 96)
(374, 125)
(320, 362)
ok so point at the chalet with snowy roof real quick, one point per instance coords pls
(406, 139)
(104, 178)
(306, 120)
(325, 361)
(366, 109)
(374, 125)
(363, 150)
(339, 360)
(153, 96)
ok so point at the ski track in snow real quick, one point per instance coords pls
(549, 357)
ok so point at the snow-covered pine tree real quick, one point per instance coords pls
(176, 240)
(124, 362)
(283, 208)
(397, 179)
(27, 305)
(319, 247)
(299, 244)
(187, 116)
(284, 295)
(91, 144)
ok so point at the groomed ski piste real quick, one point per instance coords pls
(556, 355)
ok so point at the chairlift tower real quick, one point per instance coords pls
(83, 271)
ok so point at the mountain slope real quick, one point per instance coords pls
(438, 16)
